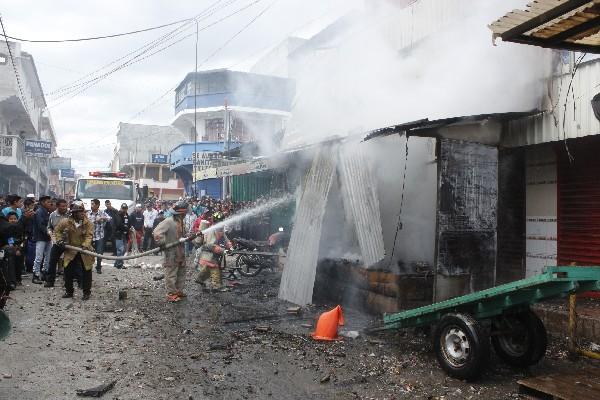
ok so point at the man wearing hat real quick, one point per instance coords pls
(168, 231)
(76, 231)
(43, 244)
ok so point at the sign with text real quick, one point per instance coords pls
(38, 148)
(67, 173)
(203, 159)
(160, 158)
(60, 163)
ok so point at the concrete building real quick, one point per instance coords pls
(142, 152)
(229, 108)
(485, 198)
(23, 116)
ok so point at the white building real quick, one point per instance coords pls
(23, 116)
(142, 152)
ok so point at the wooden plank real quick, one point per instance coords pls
(582, 385)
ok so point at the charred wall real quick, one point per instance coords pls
(466, 218)
(511, 215)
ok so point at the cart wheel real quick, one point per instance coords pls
(247, 268)
(526, 342)
(461, 346)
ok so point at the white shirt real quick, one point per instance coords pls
(149, 217)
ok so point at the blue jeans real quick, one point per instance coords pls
(99, 246)
(42, 252)
(120, 245)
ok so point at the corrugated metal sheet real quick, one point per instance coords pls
(540, 223)
(575, 109)
(558, 24)
(579, 205)
(298, 277)
(361, 201)
(251, 186)
(422, 19)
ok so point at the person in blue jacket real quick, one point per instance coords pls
(43, 244)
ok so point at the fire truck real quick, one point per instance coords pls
(113, 186)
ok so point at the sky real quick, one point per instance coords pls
(86, 124)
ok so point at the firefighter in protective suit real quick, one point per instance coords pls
(168, 231)
(212, 250)
(77, 231)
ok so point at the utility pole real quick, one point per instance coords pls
(195, 157)
(227, 148)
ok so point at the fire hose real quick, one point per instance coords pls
(132, 256)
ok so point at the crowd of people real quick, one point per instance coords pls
(34, 232)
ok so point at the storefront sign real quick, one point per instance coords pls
(202, 160)
(160, 158)
(67, 174)
(60, 163)
(38, 148)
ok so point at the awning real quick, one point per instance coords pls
(557, 24)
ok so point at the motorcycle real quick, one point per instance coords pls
(254, 256)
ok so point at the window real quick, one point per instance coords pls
(3, 59)
(215, 129)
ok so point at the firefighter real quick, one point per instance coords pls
(213, 245)
(168, 231)
(78, 231)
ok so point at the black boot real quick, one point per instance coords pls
(36, 280)
(86, 296)
(67, 295)
(49, 284)
(99, 270)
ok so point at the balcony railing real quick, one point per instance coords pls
(12, 153)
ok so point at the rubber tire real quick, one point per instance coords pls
(246, 269)
(536, 346)
(479, 345)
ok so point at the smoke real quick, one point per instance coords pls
(382, 66)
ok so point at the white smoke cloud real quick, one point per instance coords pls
(365, 78)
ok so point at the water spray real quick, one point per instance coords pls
(269, 205)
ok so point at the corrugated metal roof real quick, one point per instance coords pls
(561, 24)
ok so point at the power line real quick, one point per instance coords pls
(87, 85)
(97, 37)
(161, 97)
(169, 35)
(12, 61)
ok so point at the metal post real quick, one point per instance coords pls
(572, 329)
(194, 159)
(227, 148)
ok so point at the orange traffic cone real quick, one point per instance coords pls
(328, 324)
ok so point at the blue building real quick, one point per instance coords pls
(256, 107)
(182, 160)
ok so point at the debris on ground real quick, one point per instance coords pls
(97, 391)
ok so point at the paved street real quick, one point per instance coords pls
(234, 345)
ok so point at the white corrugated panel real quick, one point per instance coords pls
(578, 115)
(361, 200)
(424, 18)
(298, 277)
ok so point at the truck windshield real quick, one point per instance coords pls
(105, 189)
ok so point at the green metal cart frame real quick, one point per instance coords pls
(465, 324)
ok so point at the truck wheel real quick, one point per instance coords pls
(522, 339)
(461, 346)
